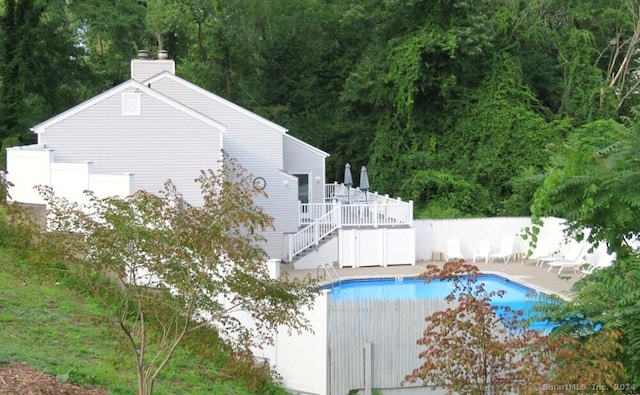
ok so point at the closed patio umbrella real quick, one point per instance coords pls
(348, 180)
(364, 181)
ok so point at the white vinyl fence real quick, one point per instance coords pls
(432, 234)
(37, 166)
(372, 343)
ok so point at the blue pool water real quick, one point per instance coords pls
(517, 296)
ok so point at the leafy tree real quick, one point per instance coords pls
(605, 302)
(40, 70)
(476, 348)
(488, 121)
(10, 94)
(468, 348)
(593, 183)
(178, 267)
(110, 33)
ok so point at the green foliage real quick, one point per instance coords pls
(593, 183)
(110, 32)
(489, 122)
(40, 71)
(79, 344)
(443, 190)
(474, 89)
(606, 300)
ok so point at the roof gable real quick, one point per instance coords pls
(131, 84)
(216, 98)
(306, 145)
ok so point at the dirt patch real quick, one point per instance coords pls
(22, 379)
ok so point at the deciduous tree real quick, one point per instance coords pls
(469, 348)
(178, 266)
(478, 347)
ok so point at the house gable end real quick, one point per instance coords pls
(217, 99)
(126, 87)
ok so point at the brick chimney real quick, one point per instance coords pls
(146, 67)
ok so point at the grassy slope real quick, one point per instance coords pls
(61, 331)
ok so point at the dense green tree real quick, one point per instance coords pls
(593, 182)
(486, 124)
(397, 85)
(41, 73)
(10, 93)
(110, 32)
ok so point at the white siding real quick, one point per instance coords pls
(257, 146)
(142, 69)
(161, 143)
(300, 159)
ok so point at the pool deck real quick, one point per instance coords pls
(528, 274)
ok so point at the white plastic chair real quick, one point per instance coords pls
(506, 250)
(453, 250)
(605, 260)
(574, 258)
(543, 252)
(482, 251)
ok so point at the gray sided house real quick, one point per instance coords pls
(157, 126)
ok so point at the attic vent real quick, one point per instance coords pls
(130, 104)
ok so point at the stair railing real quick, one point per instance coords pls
(311, 234)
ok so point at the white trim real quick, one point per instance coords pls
(131, 84)
(307, 145)
(288, 175)
(216, 98)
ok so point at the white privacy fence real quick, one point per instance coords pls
(356, 344)
(432, 235)
(372, 343)
(37, 165)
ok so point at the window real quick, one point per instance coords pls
(303, 188)
(130, 104)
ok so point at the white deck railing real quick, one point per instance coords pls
(349, 207)
(350, 195)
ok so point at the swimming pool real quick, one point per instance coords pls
(517, 296)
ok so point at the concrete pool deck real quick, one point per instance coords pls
(538, 278)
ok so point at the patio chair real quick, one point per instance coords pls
(506, 250)
(482, 251)
(605, 260)
(453, 250)
(574, 258)
(543, 252)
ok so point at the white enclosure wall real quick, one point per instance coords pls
(376, 247)
(432, 235)
(31, 163)
(302, 360)
(36, 166)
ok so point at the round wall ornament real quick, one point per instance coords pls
(259, 183)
